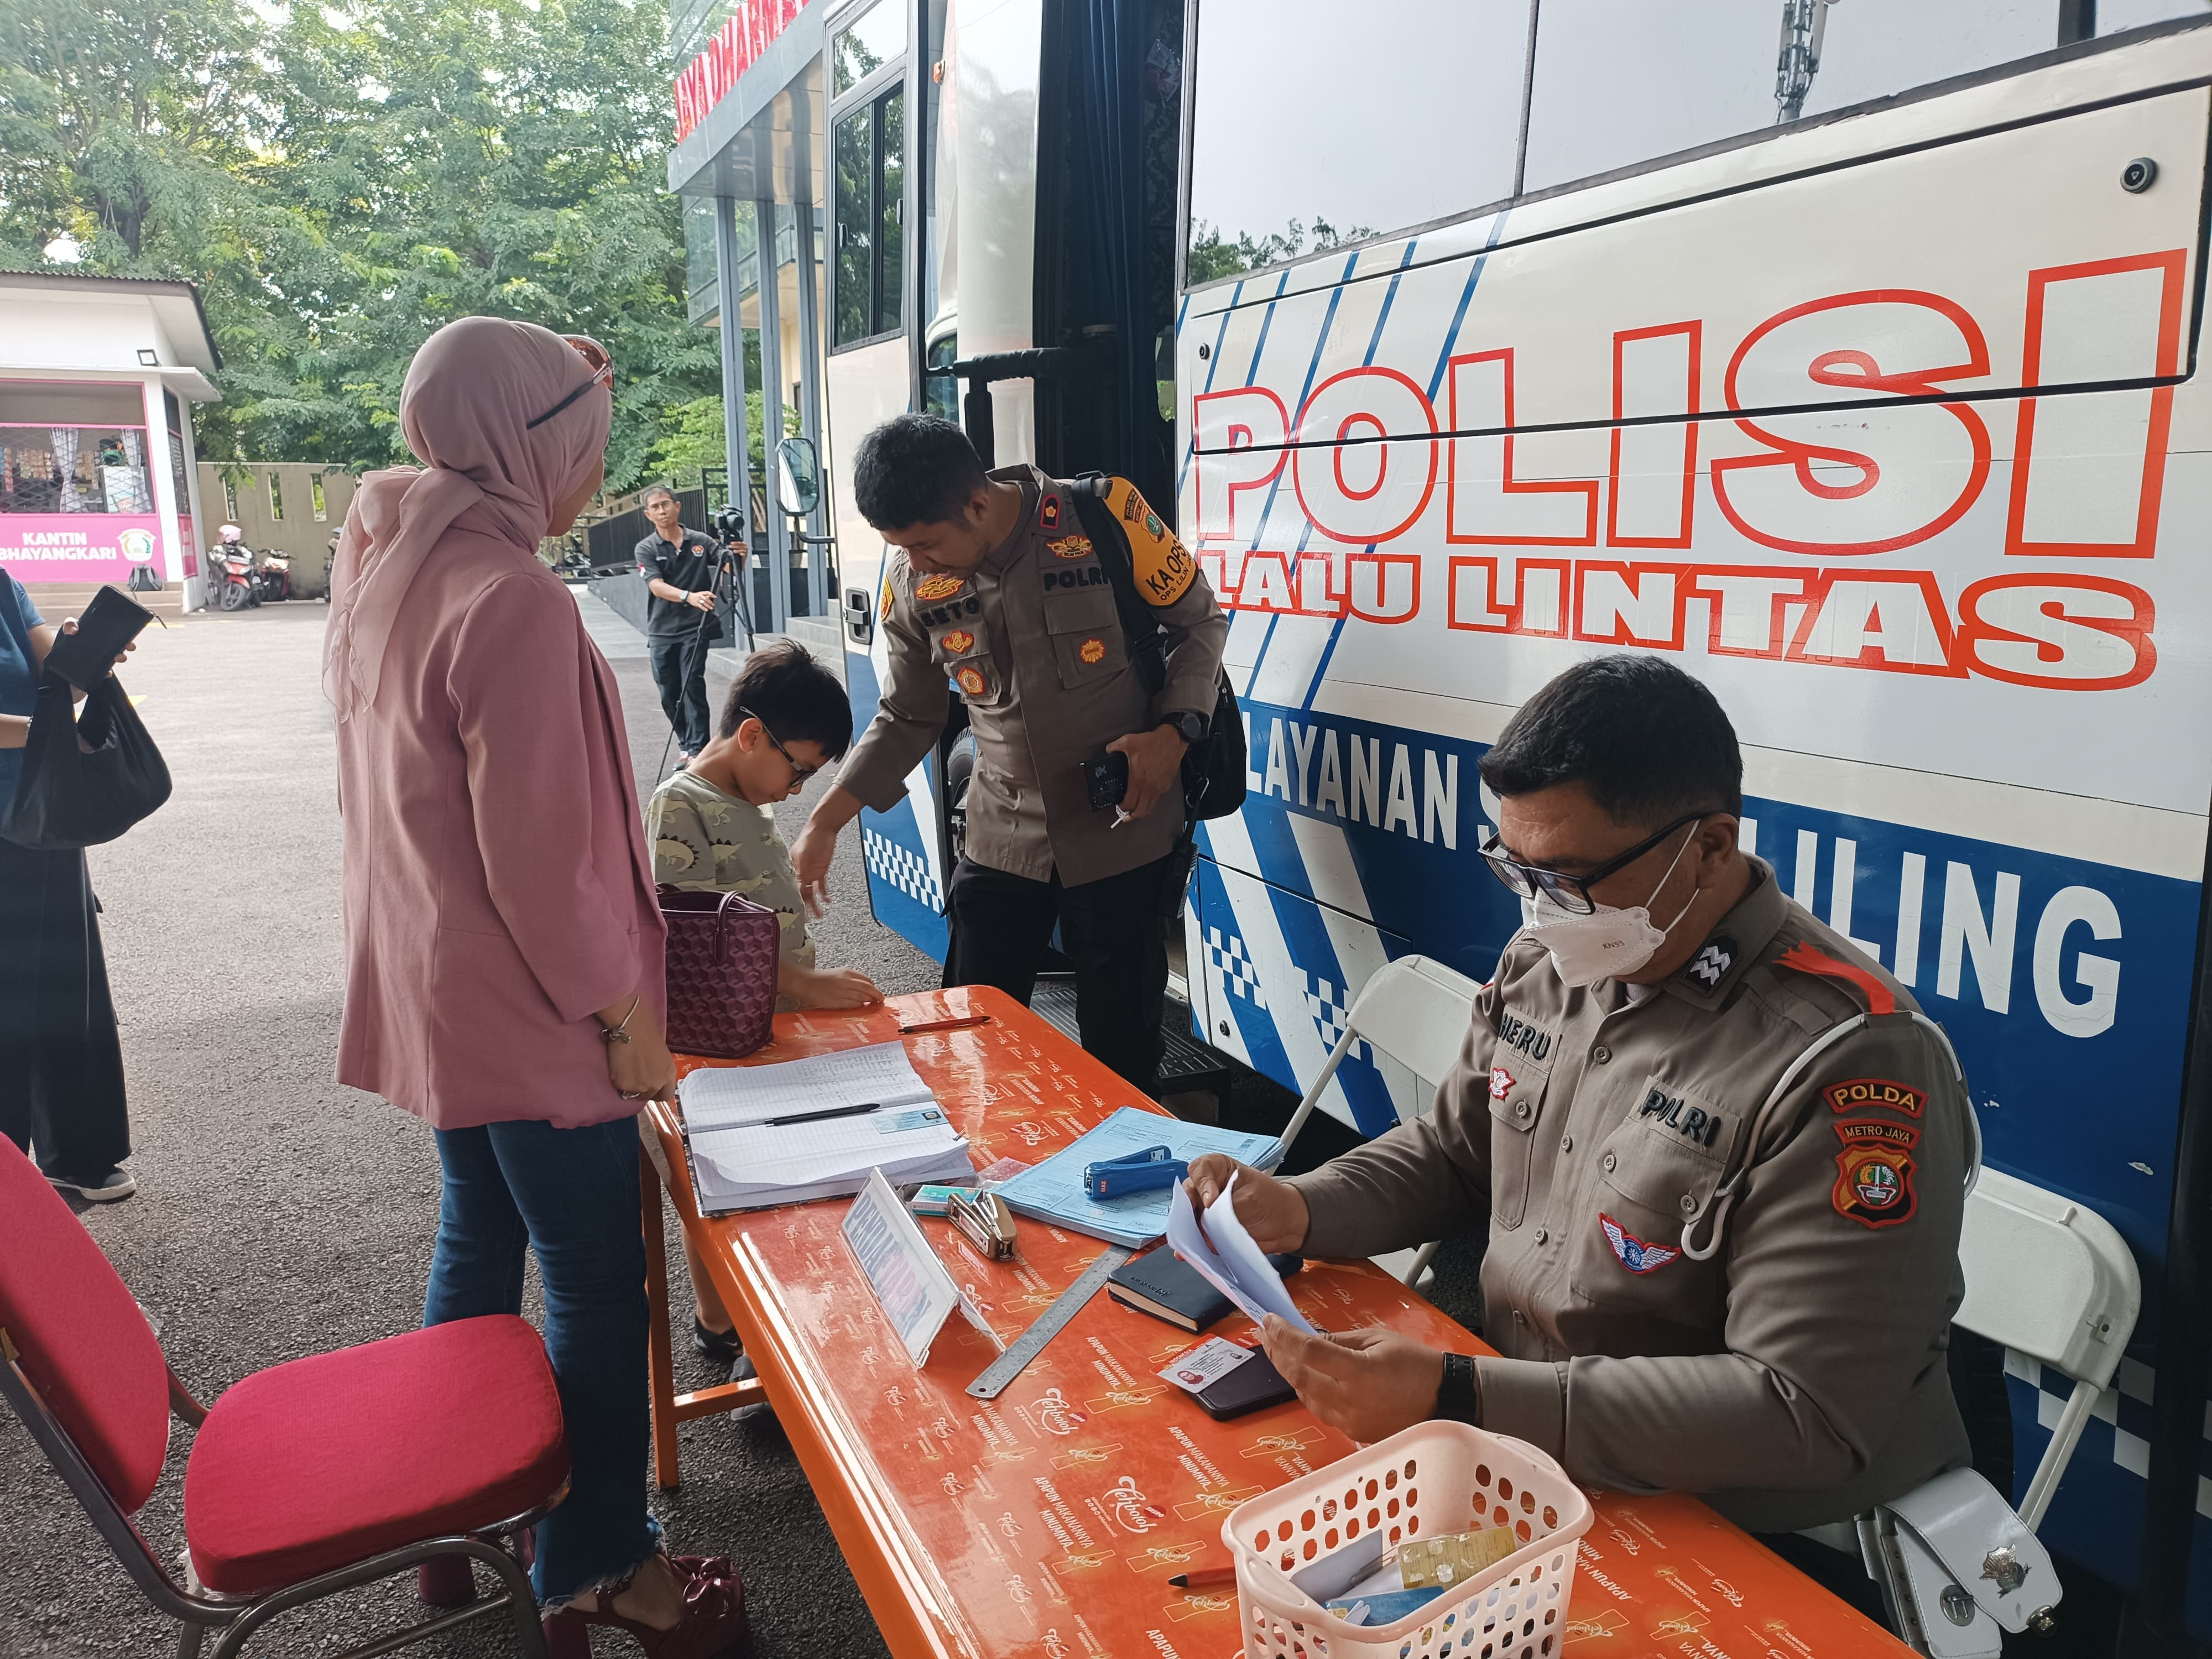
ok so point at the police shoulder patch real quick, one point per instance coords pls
(1163, 566)
(1855, 1094)
(1873, 1173)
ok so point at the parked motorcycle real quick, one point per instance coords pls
(273, 575)
(230, 576)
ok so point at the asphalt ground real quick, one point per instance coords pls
(280, 1214)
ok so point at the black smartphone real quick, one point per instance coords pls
(111, 621)
(1252, 1387)
(1106, 779)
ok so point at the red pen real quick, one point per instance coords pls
(944, 1024)
(1206, 1578)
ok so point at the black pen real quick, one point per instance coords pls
(817, 1117)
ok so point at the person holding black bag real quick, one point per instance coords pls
(61, 1062)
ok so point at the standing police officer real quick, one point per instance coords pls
(1720, 1154)
(997, 591)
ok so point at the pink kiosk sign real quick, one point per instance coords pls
(78, 547)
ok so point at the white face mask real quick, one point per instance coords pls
(1608, 942)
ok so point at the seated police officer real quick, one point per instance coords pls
(995, 590)
(1721, 1154)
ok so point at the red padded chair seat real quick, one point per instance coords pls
(311, 1466)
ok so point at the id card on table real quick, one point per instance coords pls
(1200, 1368)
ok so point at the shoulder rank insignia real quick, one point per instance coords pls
(1633, 1252)
(1048, 512)
(930, 589)
(1710, 966)
(1164, 568)
(1071, 547)
(1806, 960)
(1860, 1092)
(1873, 1173)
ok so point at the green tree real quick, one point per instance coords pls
(1213, 255)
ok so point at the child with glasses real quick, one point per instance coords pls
(713, 830)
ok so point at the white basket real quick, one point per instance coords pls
(1432, 1479)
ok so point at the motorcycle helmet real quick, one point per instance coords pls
(231, 532)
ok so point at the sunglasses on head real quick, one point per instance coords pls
(596, 359)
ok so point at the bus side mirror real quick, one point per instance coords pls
(797, 476)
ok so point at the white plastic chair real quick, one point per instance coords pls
(2055, 1282)
(1416, 1011)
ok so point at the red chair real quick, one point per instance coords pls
(305, 1479)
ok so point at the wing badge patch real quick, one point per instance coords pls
(1633, 1252)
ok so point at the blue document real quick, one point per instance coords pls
(1054, 1190)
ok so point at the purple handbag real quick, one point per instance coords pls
(722, 956)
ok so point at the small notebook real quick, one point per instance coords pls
(1158, 1284)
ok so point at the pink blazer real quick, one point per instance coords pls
(498, 890)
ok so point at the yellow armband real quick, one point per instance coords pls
(1164, 565)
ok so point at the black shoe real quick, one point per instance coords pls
(111, 1184)
(723, 1348)
(741, 1370)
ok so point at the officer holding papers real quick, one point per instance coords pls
(1720, 1152)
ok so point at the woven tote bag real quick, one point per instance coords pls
(722, 953)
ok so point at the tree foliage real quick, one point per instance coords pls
(344, 180)
(1213, 255)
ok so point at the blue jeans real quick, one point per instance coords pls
(572, 1196)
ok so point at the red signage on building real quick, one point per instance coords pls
(743, 37)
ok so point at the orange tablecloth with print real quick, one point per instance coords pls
(1045, 1524)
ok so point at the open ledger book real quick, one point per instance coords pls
(742, 1159)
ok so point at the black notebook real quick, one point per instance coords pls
(1158, 1284)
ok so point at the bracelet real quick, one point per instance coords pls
(621, 1033)
(1457, 1398)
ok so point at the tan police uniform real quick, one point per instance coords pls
(1796, 1377)
(1031, 640)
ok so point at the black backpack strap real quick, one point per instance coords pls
(1147, 641)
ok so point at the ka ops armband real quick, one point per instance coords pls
(1163, 567)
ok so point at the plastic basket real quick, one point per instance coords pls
(1434, 1478)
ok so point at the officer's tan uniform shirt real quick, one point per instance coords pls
(1031, 640)
(1798, 1377)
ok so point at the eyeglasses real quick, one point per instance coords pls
(1570, 893)
(596, 359)
(798, 774)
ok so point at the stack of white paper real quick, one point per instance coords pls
(742, 1159)
(1225, 1257)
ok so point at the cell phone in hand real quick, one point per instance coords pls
(110, 622)
(1107, 780)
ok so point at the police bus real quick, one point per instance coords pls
(1849, 362)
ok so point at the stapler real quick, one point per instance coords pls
(1155, 1166)
(983, 1220)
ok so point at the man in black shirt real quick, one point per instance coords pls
(679, 566)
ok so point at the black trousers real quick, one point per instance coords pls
(61, 1063)
(679, 669)
(1111, 930)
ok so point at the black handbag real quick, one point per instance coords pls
(68, 798)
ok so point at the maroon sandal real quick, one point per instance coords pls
(713, 1621)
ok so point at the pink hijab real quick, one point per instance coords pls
(466, 409)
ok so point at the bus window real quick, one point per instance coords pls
(1619, 82)
(1315, 125)
(870, 149)
(866, 44)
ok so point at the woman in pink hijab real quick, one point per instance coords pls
(504, 946)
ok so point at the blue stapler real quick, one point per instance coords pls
(1155, 1166)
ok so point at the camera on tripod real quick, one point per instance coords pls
(730, 523)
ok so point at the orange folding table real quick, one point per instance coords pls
(1046, 1523)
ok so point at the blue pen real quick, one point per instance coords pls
(1155, 1166)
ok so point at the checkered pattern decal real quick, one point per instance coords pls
(1326, 1004)
(903, 868)
(2119, 1425)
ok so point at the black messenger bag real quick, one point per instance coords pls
(75, 794)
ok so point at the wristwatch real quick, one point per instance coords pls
(1192, 726)
(1457, 1399)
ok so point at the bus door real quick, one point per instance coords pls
(878, 58)
(1878, 422)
